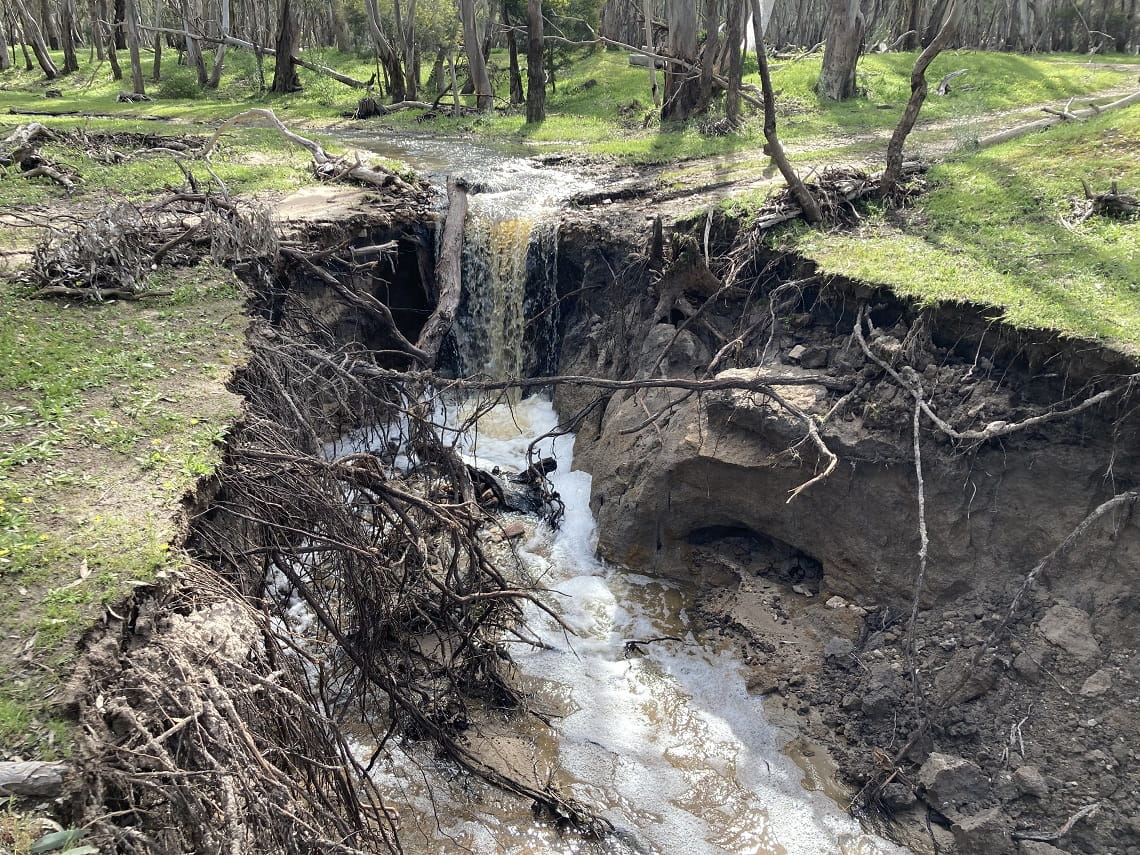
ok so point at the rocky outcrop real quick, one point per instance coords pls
(728, 462)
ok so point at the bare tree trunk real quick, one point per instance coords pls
(448, 273)
(911, 24)
(620, 21)
(5, 56)
(48, 25)
(132, 17)
(776, 151)
(67, 35)
(708, 55)
(735, 39)
(682, 88)
(845, 28)
(513, 72)
(106, 33)
(96, 30)
(411, 67)
(220, 53)
(484, 100)
(937, 15)
(389, 59)
(454, 85)
(28, 64)
(119, 29)
(535, 78)
(284, 74)
(918, 87)
(156, 66)
(647, 12)
(438, 73)
(193, 49)
(35, 39)
(339, 26)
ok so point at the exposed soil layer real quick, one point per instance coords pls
(697, 487)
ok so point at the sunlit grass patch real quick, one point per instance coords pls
(109, 415)
(998, 228)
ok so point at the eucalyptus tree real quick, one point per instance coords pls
(34, 38)
(476, 62)
(67, 35)
(846, 26)
(682, 86)
(734, 36)
(386, 53)
(131, 15)
(285, 78)
(535, 76)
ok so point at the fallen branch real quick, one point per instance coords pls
(233, 41)
(1042, 124)
(32, 779)
(449, 280)
(325, 167)
(944, 83)
(364, 301)
(994, 430)
(21, 149)
(1046, 836)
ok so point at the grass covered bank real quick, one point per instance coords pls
(1003, 227)
(600, 106)
(109, 416)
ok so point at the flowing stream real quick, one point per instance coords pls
(663, 739)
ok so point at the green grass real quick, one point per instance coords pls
(607, 119)
(991, 231)
(247, 160)
(109, 414)
(92, 92)
(601, 105)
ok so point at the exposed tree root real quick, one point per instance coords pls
(200, 732)
(407, 611)
(114, 254)
(1110, 203)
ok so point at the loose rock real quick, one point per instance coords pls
(951, 782)
(1070, 629)
(987, 832)
(1030, 782)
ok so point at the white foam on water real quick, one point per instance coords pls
(668, 745)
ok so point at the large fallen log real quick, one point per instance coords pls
(1054, 119)
(32, 779)
(233, 41)
(448, 272)
(21, 149)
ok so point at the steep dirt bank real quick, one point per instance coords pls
(697, 487)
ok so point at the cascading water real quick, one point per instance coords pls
(509, 295)
(508, 313)
(663, 739)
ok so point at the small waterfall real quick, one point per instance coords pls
(508, 315)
